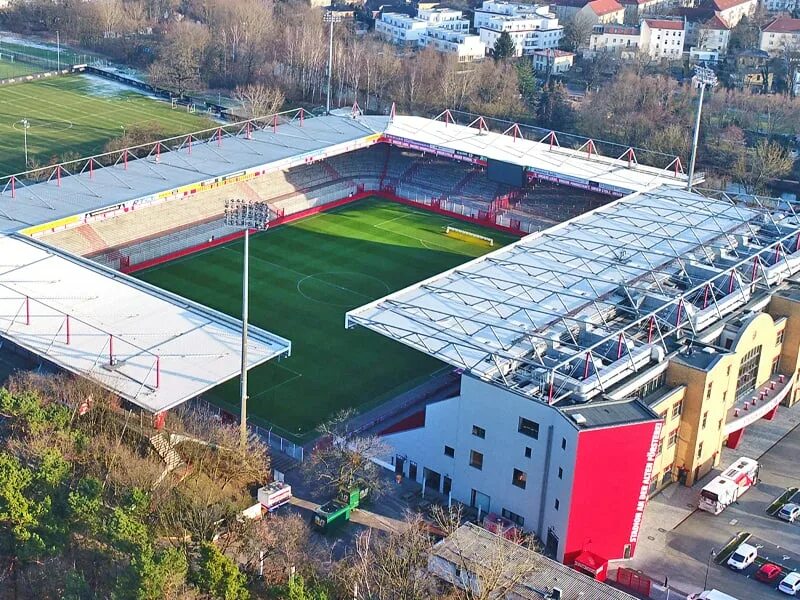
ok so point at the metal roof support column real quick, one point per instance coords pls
(650, 328)
(67, 326)
(705, 295)
(110, 349)
(680, 313)
(219, 136)
(586, 365)
(27, 310)
(158, 371)
(619, 346)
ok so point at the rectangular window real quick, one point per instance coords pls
(708, 391)
(700, 450)
(704, 421)
(448, 451)
(677, 409)
(673, 438)
(660, 446)
(528, 452)
(748, 371)
(475, 459)
(776, 364)
(563, 443)
(560, 473)
(529, 428)
(478, 432)
(663, 416)
(719, 425)
(513, 517)
(519, 478)
(779, 338)
(556, 504)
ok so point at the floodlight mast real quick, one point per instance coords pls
(330, 17)
(245, 215)
(703, 76)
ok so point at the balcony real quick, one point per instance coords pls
(762, 402)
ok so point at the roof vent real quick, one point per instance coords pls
(579, 418)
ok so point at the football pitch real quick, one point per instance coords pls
(77, 115)
(303, 278)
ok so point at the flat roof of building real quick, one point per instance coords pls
(565, 313)
(474, 548)
(150, 347)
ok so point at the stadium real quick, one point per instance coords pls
(360, 206)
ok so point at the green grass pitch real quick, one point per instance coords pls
(303, 278)
(77, 114)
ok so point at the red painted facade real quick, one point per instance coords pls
(609, 491)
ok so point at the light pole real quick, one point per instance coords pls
(703, 76)
(25, 125)
(245, 215)
(330, 17)
(711, 555)
(58, 49)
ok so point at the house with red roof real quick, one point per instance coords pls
(662, 39)
(782, 34)
(594, 11)
(732, 11)
(713, 35)
(636, 9)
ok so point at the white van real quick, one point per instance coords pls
(744, 556)
(711, 595)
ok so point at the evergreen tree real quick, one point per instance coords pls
(504, 47)
(528, 87)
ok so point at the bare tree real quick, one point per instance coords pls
(259, 100)
(756, 167)
(577, 32)
(178, 65)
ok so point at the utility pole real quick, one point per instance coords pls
(245, 215)
(330, 17)
(703, 76)
(58, 50)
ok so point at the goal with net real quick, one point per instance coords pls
(468, 236)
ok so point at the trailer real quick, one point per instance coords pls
(338, 510)
(726, 488)
(274, 495)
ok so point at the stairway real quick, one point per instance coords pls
(167, 453)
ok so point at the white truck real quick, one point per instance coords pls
(274, 495)
(727, 487)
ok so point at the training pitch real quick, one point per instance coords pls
(303, 278)
(78, 115)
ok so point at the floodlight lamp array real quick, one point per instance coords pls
(246, 214)
(331, 17)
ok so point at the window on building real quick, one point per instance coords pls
(663, 416)
(728, 372)
(528, 452)
(700, 450)
(651, 386)
(677, 409)
(719, 425)
(748, 371)
(672, 439)
(476, 459)
(478, 432)
(448, 451)
(708, 390)
(560, 473)
(779, 338)
(666, 476)
(513, 517)
(660, 446)
(704, 421)
(776, 364)
(529, 428)
(563, 443)
(519, 478)
(556, 504)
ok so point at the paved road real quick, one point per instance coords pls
(689, 545)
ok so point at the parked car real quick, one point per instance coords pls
(742, 557)
(790, 584)
(789, 512)
(768, 573)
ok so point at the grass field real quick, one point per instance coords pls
(303, 278)
(9, 69)
(77, 114)
(47, 52)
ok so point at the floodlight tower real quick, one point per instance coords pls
(330, 17)
(25, 124)
(245, 215)
(703, 76)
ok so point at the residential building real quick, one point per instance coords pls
(401, 29)
(713, 35)
(594, 11)
(732, 11)
(470, 551)
(635, 10)
(700, 56)
(553, 61)
(531, 27)
(467, 47)
(781, 35)
(622, 41)
(662, 39)
(612, 369)
(781, 6)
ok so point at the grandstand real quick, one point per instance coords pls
(136, 213)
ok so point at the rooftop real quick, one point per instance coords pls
(563, 314)
(554, 52)
(150, 347)
(615, 30)
(716, 22)
(605, 7)
(664, 24)
(728, 4)
(783, 25)
(529, 574)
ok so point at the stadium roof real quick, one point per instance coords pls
(540, 156)
(565, 313)
(150, 347)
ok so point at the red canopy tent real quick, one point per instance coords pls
(591, 564)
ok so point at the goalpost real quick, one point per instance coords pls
(468, 236)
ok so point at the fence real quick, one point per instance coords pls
(635, 581)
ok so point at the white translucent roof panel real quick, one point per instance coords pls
(489, 313)
(150, 347)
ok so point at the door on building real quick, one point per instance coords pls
(433, 481)
(412, 470)
(551, 545)
(448, 485)
(480, 501)
(399, 463)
